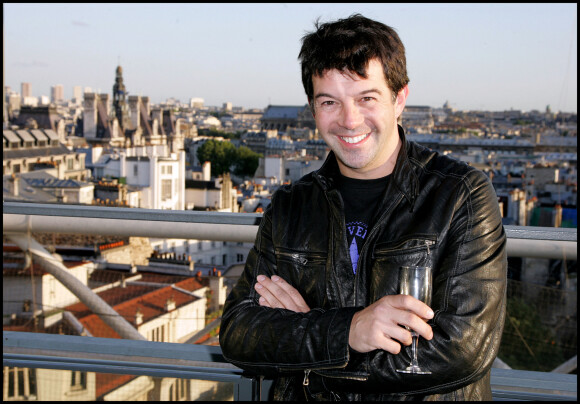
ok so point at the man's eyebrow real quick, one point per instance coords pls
(372, 90)
(365, 92)
(323, 95)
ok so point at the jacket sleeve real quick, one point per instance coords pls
(469, 302)
(268, 341)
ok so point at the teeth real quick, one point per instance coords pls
(355, 139)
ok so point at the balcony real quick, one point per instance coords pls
(205, 364)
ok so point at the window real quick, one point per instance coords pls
(135, 170)
(19, 383)
(78, 380)
(70, 164)
(181, 390)
(157, 334)
(240, 257)
(166, 189)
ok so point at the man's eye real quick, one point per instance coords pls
(366, 99)
(327, 103)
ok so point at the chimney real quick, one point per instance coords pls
(15, 179)
(139, 316)
(206, 171)
(170, 304)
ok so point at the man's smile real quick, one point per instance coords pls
(355, 139)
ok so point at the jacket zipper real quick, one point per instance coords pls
(428, 243)
(298, 257)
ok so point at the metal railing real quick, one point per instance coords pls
(523, 241)
(205, 362)
(159, 359)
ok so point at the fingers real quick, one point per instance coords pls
(276, 293)
(381, 325)
(415, 314)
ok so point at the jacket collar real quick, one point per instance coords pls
(403, 176)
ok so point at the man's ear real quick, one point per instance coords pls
(401, 101)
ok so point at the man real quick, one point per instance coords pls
(317, 307)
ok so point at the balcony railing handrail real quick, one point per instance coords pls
(159, 359)
(523, 241)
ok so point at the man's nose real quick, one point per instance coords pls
(351, 116)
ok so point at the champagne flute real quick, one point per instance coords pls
(416, 281)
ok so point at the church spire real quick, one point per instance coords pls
(120, 100)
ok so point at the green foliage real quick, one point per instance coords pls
(247, 162)
(224, 156)
(218, 133)
(220, 154)
(527, 344)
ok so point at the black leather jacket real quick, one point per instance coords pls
(434, 209)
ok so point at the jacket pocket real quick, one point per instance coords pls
(306, 271)
(419, 249)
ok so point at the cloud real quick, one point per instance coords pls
(34, 63)
(80, 23)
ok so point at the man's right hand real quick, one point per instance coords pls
(378, 326)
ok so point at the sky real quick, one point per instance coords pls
(475, 56)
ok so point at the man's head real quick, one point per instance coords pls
(355, 77)
(349, 44)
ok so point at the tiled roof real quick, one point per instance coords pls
(282, 112)
(55, 183)
(107, 382)
(150, 300)
(36, 152)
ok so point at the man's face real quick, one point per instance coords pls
(357, 118)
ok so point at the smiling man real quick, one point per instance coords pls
(358, 120)
(317, 306)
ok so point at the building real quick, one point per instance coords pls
(25, 90)
(57, 94)
(41, 117)
(161, 306)
(207, 194)
(77, 96)
(283, 117)
(120, 108)
(155, 178)
(36, 149)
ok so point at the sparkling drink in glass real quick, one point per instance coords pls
(416, 281)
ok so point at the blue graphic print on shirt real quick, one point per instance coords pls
(357, 231)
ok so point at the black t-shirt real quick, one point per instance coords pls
(360, 201)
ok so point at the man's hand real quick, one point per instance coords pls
(378, 326)
(279, 294)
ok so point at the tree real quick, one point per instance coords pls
(224, 156)
(247, 162)
(221, 155)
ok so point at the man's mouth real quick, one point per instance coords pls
(355, 139)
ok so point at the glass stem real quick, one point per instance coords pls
(414, 350)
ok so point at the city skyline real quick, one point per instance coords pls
(475, 56)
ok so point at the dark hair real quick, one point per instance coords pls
(350, 44)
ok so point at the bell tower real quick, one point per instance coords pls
(120, 101)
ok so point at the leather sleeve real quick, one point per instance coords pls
(267, 341)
